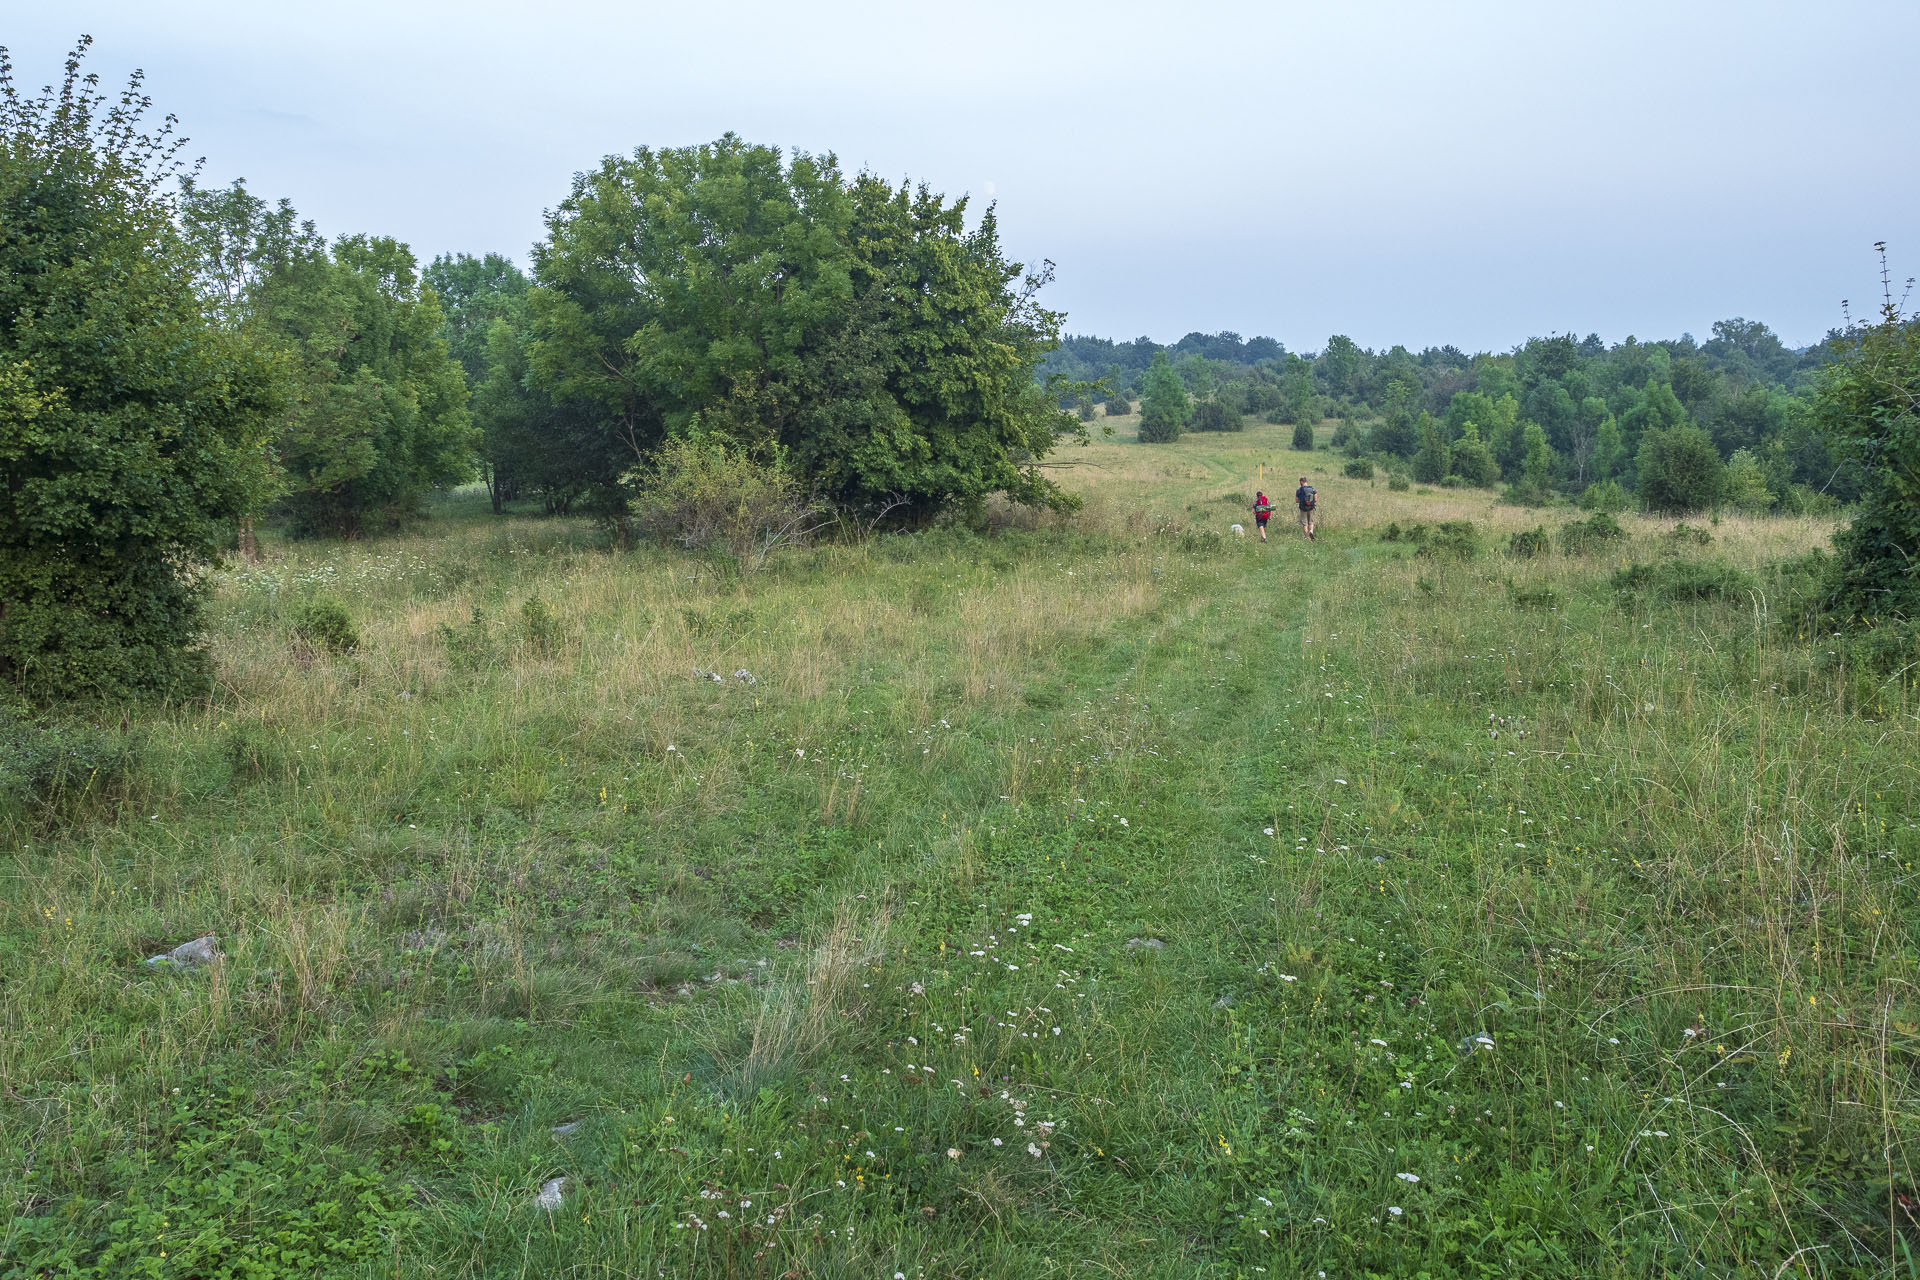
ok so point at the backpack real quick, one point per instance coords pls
(1308, 498)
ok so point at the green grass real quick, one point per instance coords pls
(1192, 865)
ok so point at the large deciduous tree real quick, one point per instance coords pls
(131, 427)
(1165, 407)
(861, 329)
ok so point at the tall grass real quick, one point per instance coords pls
(1104, 889)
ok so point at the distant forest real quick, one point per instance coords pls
(1558, 414)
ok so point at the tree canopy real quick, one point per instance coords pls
(131, 426)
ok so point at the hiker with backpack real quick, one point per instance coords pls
(1262, 508)
(1306, 499)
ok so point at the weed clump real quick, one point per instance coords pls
(1358, 469)
(1583, 537)
(1537, 598)
(1397, 482)
(323, 623)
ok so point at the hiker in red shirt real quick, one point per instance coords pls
(1262, 508)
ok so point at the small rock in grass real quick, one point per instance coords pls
(567, 1129)
(189, 955)
(1150, 944)
(552, 1192)
(745, 676)
(1224, 1002)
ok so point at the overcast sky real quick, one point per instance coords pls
(1420, 173)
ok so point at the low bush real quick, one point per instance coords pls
(1605, 496)
(53, 771)
(1397, 482)
(1458, 539)
(708, 496)
(323, 623)
(1216, 415)
(1528, 543)
(1358, 469)
(1580, 537)
(1118, 407)
(1540, 598)
(1303, 437)
(539, 627)
(1686, 535)
(1680, 581)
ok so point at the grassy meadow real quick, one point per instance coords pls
(1098, 896)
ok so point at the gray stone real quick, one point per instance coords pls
(1149, 944)
(552, 1192)
(189, 955)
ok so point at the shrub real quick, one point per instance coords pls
(1528, 543)
(709, 496)
(1217, 415)
(1746, 482)
(1473, 462)
(1358, 469)
(132, 430)
(1681, 581)
(539, 626)
(1684, 534)
(1454, 538)
(1605, 496)
(1343, 434)
(1580, 537)
(1303, 436)
(1679, 470)
(1118, 407)
(323, 623)
(1397, 482)
(1533, 597)
(1865, 403)
(53, 771)
(470, 647)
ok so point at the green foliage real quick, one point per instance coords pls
(1397, 482)
(1455, 539)
(324, 623)
(1303, 435)
(864, 330)
(1472, 461)
(131, 427)
(469, 647)
(1605, 496)
(1686, 535)
(380, 415)
(1433, 459)
(55, 770)
(1358, 469)
(1746, 483)
(1868, 403)
(1679, 470)
(1165, 408)
(540, 627)
(221, 1191)
(1584, 537)
(1526, 543)
(1118, 407)
(1217, 415)
(708, 496)
(1680, 581)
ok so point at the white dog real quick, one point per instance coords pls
(1238, 532)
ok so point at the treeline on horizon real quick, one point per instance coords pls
(1676, 424)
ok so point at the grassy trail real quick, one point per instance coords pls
(1078, 902)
